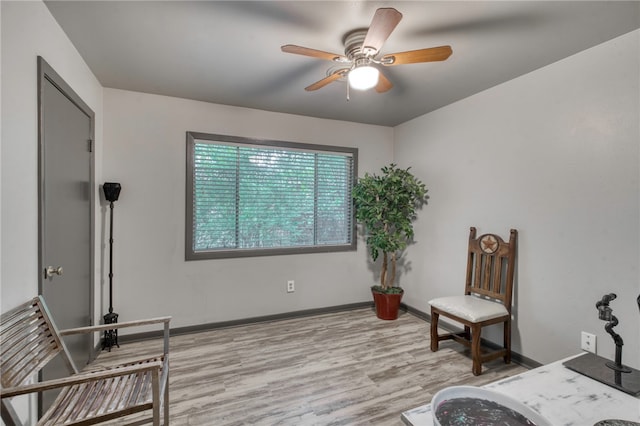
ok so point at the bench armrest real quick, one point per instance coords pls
(116, 325)
(79, 378)
(113, 326)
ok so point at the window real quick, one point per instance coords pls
(249, 197)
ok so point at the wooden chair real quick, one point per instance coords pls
(486, 300)
(29, 339)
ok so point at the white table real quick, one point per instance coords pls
(562, 396)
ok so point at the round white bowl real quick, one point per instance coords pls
(454, 392)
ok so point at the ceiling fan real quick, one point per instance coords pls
(362, 52)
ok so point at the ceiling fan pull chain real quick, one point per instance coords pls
(347, 88)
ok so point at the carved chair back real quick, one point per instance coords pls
(490, 267)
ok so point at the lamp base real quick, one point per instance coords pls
(623, 378)
(110, 338)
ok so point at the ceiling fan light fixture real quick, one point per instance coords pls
(363, 77)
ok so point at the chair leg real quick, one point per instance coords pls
(9, 415)
(166, 403)
(155, 385)
(165, 411)
(507, 341)
(475, 350)
(434, 330)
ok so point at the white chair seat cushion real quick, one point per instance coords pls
(471, 308)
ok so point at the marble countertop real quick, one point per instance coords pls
(559, 394)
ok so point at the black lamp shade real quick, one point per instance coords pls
(111, 191)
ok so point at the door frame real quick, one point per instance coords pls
(46, 72)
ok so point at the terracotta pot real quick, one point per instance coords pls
(387, 305)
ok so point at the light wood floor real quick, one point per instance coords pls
(346, 368)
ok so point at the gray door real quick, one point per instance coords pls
(65, 208)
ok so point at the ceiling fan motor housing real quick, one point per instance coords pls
(353, 44)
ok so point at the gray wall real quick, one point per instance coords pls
(555, 154)
(145, 152)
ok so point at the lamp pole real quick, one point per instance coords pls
(111, 193)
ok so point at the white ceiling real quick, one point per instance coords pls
(229, 52)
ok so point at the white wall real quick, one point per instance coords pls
(145, 150)
(29, 30)
(1, 158)
(555, 154)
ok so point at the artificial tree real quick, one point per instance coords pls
(386, 206)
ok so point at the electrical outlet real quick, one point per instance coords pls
(588, 342)
(291, 286)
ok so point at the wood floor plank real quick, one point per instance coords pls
(345, 368)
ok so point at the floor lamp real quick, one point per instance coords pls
(111, 193)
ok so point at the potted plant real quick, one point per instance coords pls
(386, 206)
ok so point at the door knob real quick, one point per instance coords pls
(50, 271)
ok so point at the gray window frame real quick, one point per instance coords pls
(190, 254)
